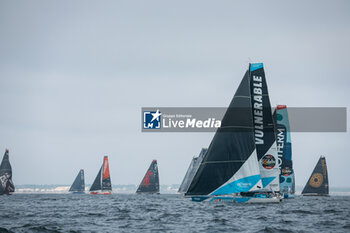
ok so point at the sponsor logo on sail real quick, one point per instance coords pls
(258, 109)
(281, 135)
(316, 180)
(287, 171)
(4, 179)
(244, 185)
(268, 161)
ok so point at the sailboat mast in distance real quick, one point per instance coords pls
(78, 185)
(150, 182)
(102, 183)
(191, 171)
(6, 184)
(317, 185)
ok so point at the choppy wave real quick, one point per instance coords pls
(168, 213)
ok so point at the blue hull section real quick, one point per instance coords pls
(200, 198)
(259, 198)
(288, 195)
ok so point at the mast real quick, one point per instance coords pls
(6, 184)
(230, 164)
(150, 182)
(318, 181)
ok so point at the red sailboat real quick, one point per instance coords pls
(102, 183)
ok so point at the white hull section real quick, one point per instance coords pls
(258, 200)
(240, 181)
(238, 199)
(270, 176)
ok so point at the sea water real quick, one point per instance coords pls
(168, 213)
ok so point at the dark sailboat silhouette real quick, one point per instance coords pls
(6, 184)
(78, 185)
(150, 182)
(191, 171)
(317, 185)
(102, 183)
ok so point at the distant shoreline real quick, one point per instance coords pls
(131, 188)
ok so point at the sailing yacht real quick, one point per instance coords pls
(241, 162)
(78, 186)
(317, 185)
(150, 182)
(6, 184)
(102, 183)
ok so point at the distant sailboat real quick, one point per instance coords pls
(191, 171)
(102, 183)
(150, 182)
(317, 185)
(241, 162)
(6, 184)
(78, 185)
(284, 150)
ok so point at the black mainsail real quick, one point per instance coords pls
(79, 183)
(6, 184)
(150, 182)
(97, 184)
(318, 182)
(191, 171)
(230, 164)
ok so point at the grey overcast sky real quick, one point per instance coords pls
(75, 74)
